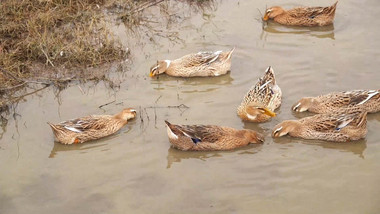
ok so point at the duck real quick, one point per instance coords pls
(210, 137)
(201, 64)
(91, 127)
(367, 100)
(340, 127)
(261, 100)
(302, 16)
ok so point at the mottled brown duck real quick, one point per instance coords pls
(366, 100)
(330, 127)
(302, 16)
(261, 100)
(90, 127)
(210, 137)
(201, 64)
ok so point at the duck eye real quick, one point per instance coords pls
(155, 68)
(261, 109)
(277, 131)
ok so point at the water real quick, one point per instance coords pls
(136, 171)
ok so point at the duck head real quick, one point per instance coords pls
(254, 111)
(285, 127)
(159, 68)
(304, 104)
(255, 137)
(272, 12)
(127, 114)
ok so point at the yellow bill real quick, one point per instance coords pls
(269, 112)
(266, 17)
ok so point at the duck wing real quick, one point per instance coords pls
(359, 97)
(263, 91)
(336, 122)
(84, 123)
(198, 133)
(203, 58)
(312, 12)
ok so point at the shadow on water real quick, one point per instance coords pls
(319, 32)
(58, 147)
(176, 156)
(208, 84)
(355, 147)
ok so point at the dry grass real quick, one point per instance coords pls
(55, 32)
(53, 36)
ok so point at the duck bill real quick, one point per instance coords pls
(269, 112)
(266, 17)
(151, 74)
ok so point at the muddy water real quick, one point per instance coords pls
(136, 171)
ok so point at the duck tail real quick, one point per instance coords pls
(332, 9)
(269, 75)
(53, 127)
(230, 53)
(169, 124)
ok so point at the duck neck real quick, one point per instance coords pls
(168, 62)
(120, 116)
(313, 104)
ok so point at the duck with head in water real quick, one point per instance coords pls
(302, 16)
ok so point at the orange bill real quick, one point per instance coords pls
(266, 17)
(269, 112)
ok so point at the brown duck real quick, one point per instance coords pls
(330, 127)
(366, 100)
(210, 137)
(90, 127)
(302, 16)
(201, 64)
(261, 100)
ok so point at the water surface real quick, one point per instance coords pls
(136, 171)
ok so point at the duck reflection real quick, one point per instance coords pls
(176, 156)
(319, 32)
(355, 147)
(203, 84)
(82, 148)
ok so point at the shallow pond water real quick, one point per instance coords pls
(136, 171)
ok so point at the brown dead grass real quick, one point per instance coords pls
(54, 32)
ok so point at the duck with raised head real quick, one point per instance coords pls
(366, 100)
(201, 64)
(302, 16)
(210, 137)
(343, 127)
(91, 127)
(261, 100)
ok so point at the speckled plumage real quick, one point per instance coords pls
(210, 137)
(201, 64)
(90, 127)
(343, 127)
(302, 16)
(263, 96)
(366, 100)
